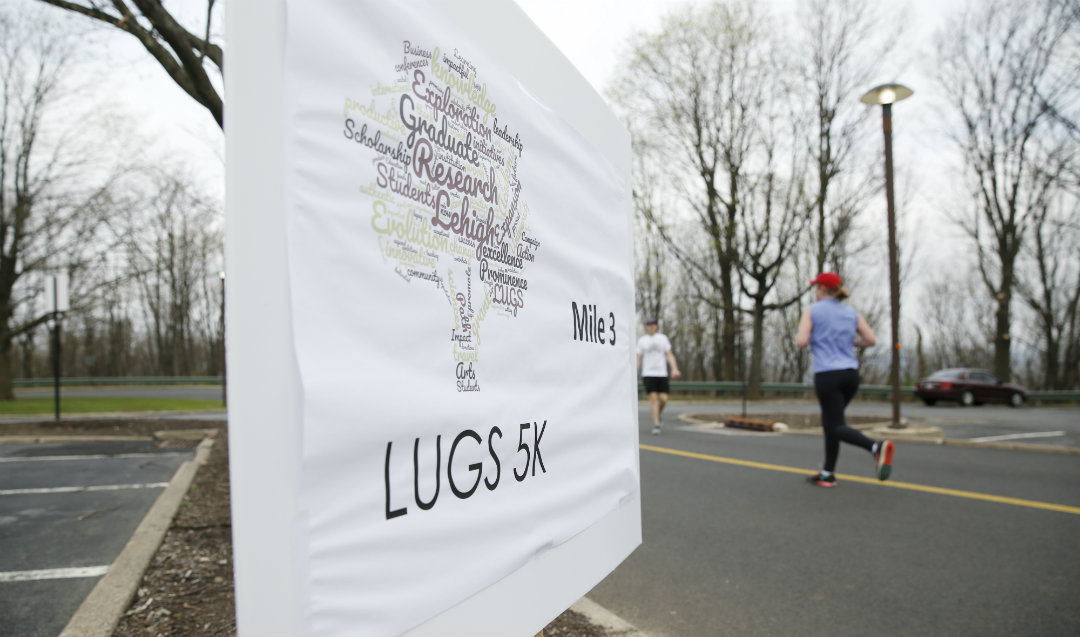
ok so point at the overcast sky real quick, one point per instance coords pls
(592, 34)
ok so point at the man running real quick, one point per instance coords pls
(654, 357)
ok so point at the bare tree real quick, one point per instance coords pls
(184, 41)
(1052, 291)
(173, 246)
(54, 189)
(1010, 82)
(840, 50)
(690, 330)
(953, 333)
(191, 59)
(652, 267)
(692, 91)
(772, 219)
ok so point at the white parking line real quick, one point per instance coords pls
(53, 573)
(100, 487)
(1037, 434)
(121, 456)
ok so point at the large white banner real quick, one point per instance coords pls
(462, 306)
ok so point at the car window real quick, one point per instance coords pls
(983, 377)
(946, 374)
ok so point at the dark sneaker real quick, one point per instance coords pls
(883, 459)
(822, 481)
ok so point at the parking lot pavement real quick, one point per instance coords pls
(66, 512)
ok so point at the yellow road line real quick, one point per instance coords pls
(971, 495)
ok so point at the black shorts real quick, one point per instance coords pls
(656, 384)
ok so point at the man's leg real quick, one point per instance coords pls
(655, 407)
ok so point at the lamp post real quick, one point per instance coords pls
(886, 95)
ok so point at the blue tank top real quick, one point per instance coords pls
(832, 339)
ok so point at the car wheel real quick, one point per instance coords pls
(1016, 400)
(929, 401)
(967, 399)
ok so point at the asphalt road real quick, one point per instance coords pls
(961, 541)
(66, 512)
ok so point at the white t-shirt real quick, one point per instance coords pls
(653, 351)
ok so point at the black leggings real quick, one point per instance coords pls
(834, 391)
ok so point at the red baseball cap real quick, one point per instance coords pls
(829, 280)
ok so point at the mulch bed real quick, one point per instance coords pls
(188, 587)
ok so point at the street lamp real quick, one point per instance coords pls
(886, 95)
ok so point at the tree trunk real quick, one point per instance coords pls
(717, 345)
(1051, 380)
(757, 351)
(727, 274)
(6, 391)
(1003, 322)
(920, 354)
(728, 343)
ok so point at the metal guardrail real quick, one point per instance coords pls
(117, 381)
(733, 389)
(717, 388)
(1054, 396)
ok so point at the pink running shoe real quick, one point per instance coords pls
(819, 481)
(883, 459)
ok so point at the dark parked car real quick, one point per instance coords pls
(968, 387)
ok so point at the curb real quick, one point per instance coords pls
(922, 434)
(100, 612)
(163, 435)
(114, 415)
(1004, 446)
(16, 439)
(607, 621)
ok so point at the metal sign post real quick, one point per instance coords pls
(59, 299)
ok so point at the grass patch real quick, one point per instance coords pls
(92, 405)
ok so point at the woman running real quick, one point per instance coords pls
(833, 331)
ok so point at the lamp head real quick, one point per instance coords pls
(886, 94)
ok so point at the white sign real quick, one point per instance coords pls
(460, 302)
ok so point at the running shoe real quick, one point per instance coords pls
(822, 481)
(656, 430)
(883, 459)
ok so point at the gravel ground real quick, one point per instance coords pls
(188, 587)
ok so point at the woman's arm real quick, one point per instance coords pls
(864, 336)
(802, 337)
